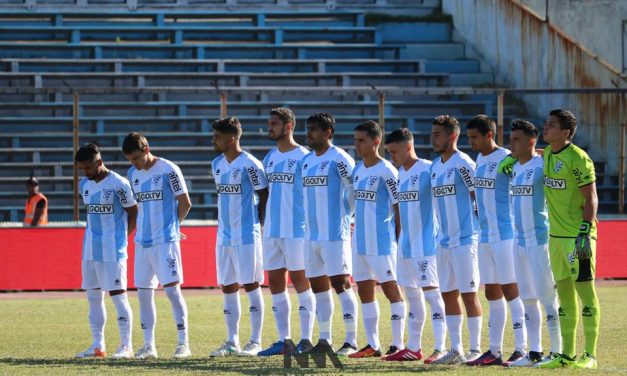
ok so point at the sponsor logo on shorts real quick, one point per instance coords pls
(150, 196)
(484, 183)
(366, 195)
(230, 189)
(116, 282)
(100, 209)
(522, 190)
(409, 196)
(388, 273)
(444, 190)
(423, 277)
(555, 183)
(472, 284)
(280, 177)
(315, 181)
(171, 262)
(571, 258)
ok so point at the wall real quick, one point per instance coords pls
(50, 258)
(525, 52)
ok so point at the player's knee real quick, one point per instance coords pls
(340, 284)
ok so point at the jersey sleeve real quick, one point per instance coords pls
(256, 175)
(583, 170)
(345, 166)
(176, 180)
(125, 193)
(466, 168)
(390, 177)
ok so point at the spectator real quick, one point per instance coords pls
(36, 209)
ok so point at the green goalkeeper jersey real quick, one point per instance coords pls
(564, 173)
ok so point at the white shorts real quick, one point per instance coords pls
(458, 268)
(104, 275)
(328, 258)
(374, 267)
(533, 272)
(281, 253)
(496, 262)
(417, 272)
(241, 264)
(158, 264)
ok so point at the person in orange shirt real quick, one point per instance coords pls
(36, 208)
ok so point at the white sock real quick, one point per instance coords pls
(371, 314)
(454, 324)
(232, 312)
(397, 317)
(438, 321)
(496, 324)
(417, 313)
(518, 322)
(324, 314)
(533, 324)
(474, 332)
(97, 317)
(282, 309)
(179, 312)
(349, 313)
(306, 313)
(125, 319)
(551, 307)
(147, 314)
(255, 298)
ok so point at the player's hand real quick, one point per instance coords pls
(583, 249)
(507, 164)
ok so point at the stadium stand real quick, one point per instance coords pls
(109, 44)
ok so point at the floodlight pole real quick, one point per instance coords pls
(222, 104)
(499, 117)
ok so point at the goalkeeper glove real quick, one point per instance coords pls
(583, 249)
(507, 164)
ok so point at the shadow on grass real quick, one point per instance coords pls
(247, 366)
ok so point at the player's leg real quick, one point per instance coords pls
(115, 275)
(546, 290)
(466, 269)
(170, 275)
(429, 281)
(384, 268)
(321, 287)
(339, 266)
(306, 299)
(366, 281)
(228, 279)
(251, 277)
(97, 315)
(591, 311)
(146, 283)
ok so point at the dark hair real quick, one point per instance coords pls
(32, 181)
(483, 124)
(134, 142)
(448, 122)
(229, 125)
(526, 127)
(372, 129)
(399, 135)
(323, 120)
(567, 121)
(285, 114)
(87, 152)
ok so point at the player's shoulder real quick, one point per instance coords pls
(117, 179)
(462, 159)
(217, 160)
(577, 153)
(269, 155)
(358, 166)
(387, 167)
(341, 155)
(250, 160)
(168, 165)
(83, 182)
(132, 170)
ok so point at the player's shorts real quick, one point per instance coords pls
(496, 262)
(533, 272)
(158, 264)
(381, 268)
(458, 268)
(564, 263)
(104, 275)
(417, 272)
(282, 253)
(328, 258)
(241, 264)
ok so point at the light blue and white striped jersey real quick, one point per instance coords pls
(376, 193)
(418, 224)
(531, 217)
(451, 184)
(155, 191)
(493, 198)
(238, 213)
(107, 222)
(328, 194)
(285, 214)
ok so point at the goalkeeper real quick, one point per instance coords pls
(570, 191)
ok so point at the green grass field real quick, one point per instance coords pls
(40, 334)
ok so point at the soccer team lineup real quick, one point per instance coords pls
(519, 221)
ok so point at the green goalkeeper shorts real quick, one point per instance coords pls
(564, 263)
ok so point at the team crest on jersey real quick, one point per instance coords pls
(372, 180)
(414, 179)
(450, 172)
(323, 165)
(491, 167)
(236, 172)
(156, 179)
(558, 166)
(107, 194)
(528, 174)
(291, 163)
